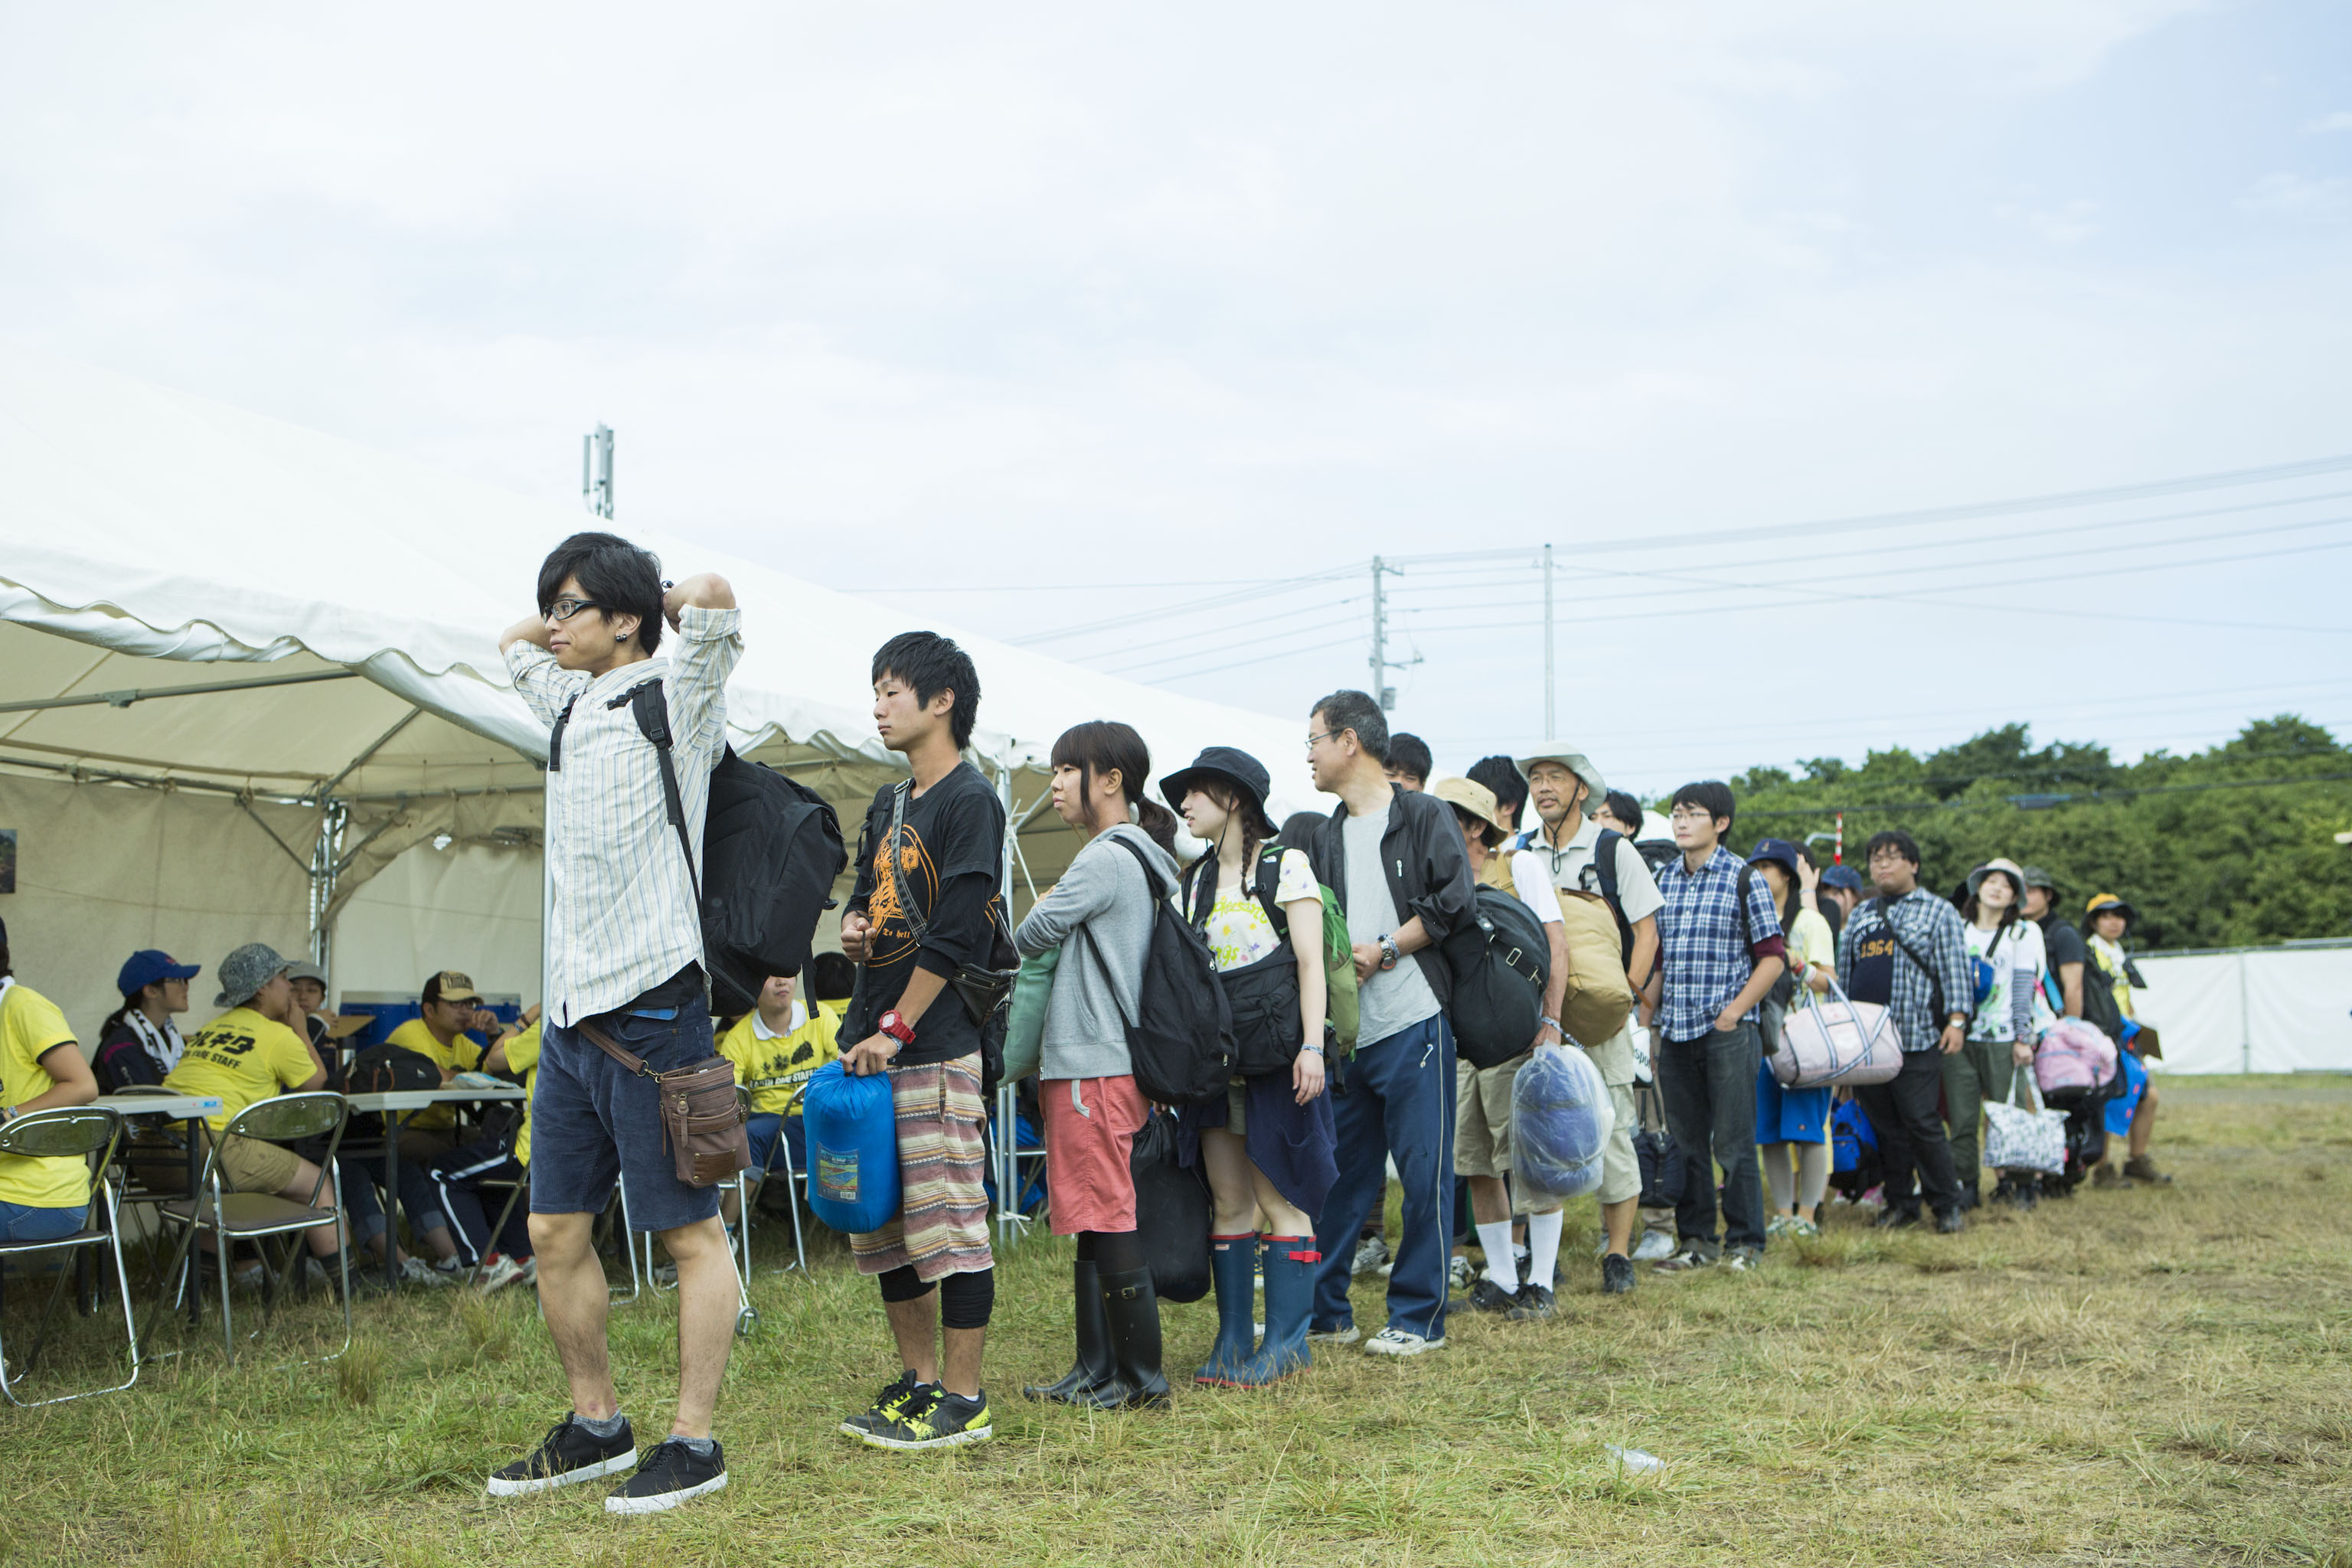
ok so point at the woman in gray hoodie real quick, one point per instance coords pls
(1100, 915)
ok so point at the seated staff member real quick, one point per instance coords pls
(451, 1005)
(139, 1043)
(41, 1068)
(776, 1047)
(457, 1175)
(246, 1055)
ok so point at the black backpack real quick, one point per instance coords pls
(383, 1069)
(770, 850)
(1500, 961)
(1179, 1044)
(1263, 997)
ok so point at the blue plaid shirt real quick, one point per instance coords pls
(1703, 950)
(1931, 927)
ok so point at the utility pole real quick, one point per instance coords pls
(596, 471)
(1551, 725)
(1383, 692)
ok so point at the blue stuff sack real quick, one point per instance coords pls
(852, 1128)
(1561, 1120)
(1850, 1134)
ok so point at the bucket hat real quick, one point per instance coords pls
(1575, 762)
(1470, 795)
(2007, 868)
(1234, 766)
(245, 971)
(1779, 850)
(2035, 877)
(1841, 877)
(2104, 902)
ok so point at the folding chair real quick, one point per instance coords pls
(232, 1216)
(745, 1178)
(72, 1133)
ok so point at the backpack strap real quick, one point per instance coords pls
(650, 708)
(555, 735)
(1267, 879)
(1604, 870)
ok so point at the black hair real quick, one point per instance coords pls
(131, 1001)
(932, 664)
(1509, 785)
(1625, 809)
(5, 970)
(1350, 709)
(1893, 838)
(617, 577)
(1100, 745)
(831, 977)
(1410, 754)
(1711, 796)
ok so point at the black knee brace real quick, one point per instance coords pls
(965, 1300)
(903, 1284)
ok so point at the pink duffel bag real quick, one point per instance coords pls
(2073, 1055)
(1837, 1041)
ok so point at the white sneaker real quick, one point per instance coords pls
(497, 1269)
(1398, 1342)
(1460, 1274)
(1346, 1336)
(1654, 1244)
(1370, 1253)
(417, 1271)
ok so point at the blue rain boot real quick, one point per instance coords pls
(1290, 1262)
(1232, 1262)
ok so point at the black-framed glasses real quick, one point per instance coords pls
(563, 610)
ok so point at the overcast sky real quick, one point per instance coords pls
(1057, 303)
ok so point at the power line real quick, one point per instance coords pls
(2042, 802)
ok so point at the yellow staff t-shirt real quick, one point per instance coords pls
(522, 1061)
(243, 1057)
(30, 1027)
(771, 1066)
(460, 1054)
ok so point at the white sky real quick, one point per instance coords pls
(925, 299)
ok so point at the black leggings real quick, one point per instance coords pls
(965, 1300)
(1110, 1251)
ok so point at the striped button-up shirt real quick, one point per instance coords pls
(1931, 927)
(625, 917)
(1704, 947)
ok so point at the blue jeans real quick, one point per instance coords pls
(20, 1222)
(1400, 1102)
(1709, 1088)
(593, 1121)
(764, 1128)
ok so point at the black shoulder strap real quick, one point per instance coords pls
(1604, 866)
(1935, 981)
(650, 708)
(916, 921)
(1267, 882)
(555, 735)
(1740, 895)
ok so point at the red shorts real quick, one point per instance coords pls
(1090, 1128)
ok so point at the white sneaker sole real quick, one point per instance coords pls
(968, 1435)
(1334, 1336)
(1377, 1346)
(498, 1487)
(666, 1500)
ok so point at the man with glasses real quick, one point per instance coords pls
(1907, 951)
(1722, 949)
(624, 962)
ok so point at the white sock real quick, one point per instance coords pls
(1543, 1246)
(1501, 1267)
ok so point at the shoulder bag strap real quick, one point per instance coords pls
(612, 1048)
(915, 919)
(1935, 981)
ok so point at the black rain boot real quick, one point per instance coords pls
(1095, 1367)
(1133, 1310)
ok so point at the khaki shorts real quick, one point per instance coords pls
(1481, 1129)
(250, 1165)
(1621, 1170)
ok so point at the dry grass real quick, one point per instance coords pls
(2142, 1378)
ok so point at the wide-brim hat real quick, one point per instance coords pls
(1470, 795)
(1575, 762)
(245, 971)
(1230, 764)
(2035, 877)
(2104, 902)
(2007, 868)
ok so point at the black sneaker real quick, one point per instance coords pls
(895, 1400)
(672, 1474)
(945, 1421)
(1948, 1222)
(1616, 1274)
(1486, 1296)
(1534, 1306)
(1892, 1218)
(569, 1454)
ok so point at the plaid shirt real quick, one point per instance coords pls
(1932, 928)
(1703, 950)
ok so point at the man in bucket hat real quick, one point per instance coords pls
(1590, 861)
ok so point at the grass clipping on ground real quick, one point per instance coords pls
(2149, 1376)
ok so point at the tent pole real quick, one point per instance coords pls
(324, 872)
(147, 693)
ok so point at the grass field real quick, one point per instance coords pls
(2146, 1377)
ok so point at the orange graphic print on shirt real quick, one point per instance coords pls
(911, 868)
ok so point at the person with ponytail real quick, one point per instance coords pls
(139, 1043)
(1269, 1144)
(1100, 915)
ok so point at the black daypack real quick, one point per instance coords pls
(1263, 997)
(770, 850)
(1499, 960)
(383, 1069)
(1179, 1044)
(1173, 1213)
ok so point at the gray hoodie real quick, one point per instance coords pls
(1105, 891)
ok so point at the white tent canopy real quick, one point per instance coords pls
(151, 540)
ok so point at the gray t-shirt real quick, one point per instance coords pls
(1394, 999)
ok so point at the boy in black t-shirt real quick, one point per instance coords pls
(930, 870)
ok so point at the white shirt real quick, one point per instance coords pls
(794, 1021)
(1533, 884)
(1571, 868)
(625, 917)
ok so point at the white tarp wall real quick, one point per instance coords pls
(471, 907)
(2260, 1009)
(102, 872)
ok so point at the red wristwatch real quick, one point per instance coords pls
(896, 1027)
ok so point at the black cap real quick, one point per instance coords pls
(1230, 764)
